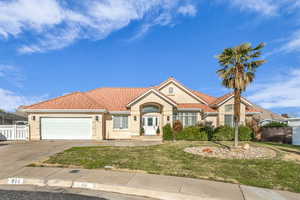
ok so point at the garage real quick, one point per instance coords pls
(66, 128)
(295, 124)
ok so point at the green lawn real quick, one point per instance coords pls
(170, 159)
(294, 147)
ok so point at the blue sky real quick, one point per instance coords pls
(50, 48)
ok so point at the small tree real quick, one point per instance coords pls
(238, 71)
(177, 126)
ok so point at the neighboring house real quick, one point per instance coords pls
(7, 118)
(124, 113)
(266, 116)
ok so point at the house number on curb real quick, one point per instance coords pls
(84, 185)
(15, 181)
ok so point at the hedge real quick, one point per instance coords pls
(223, 133)
(226, 133)
(167, 132)
(192, 133)
(275, 124)
(205, 133)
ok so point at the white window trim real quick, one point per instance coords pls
(232, 124)
(120, 129)
(187, 114)
(232, 108)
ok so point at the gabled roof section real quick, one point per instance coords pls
(76, 100)
(219, 101)
(181, 86)
(152, 90)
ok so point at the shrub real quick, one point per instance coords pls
(167, 132)
(209, 130)
(275, 124)
(142, 131)
(177, 126)
(245, 133)
(192, 133)
(223, 133)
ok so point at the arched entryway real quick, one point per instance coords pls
(151, 119)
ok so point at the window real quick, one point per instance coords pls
(171, 90)
(120, 122)
(186, 118)
(228, 119)
(229, 108)
(149, 109)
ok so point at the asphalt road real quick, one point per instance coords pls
(48, 193)
(25, 195)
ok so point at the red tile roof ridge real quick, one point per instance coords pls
(56, 98)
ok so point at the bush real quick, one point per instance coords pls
(223, 133)
(167, 132)
(275, 124)
(192, 133)
(209, 130)
(245, 133)
(177, 126)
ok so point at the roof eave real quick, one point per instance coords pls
(63, 110)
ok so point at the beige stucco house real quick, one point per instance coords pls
(126, 113)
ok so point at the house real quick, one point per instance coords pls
(8, 118)
(125, 113)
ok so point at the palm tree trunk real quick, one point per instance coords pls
(237, 113)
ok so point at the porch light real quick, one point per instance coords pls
(97, 118)
(33, 117)
(168, 118)
(134, 118)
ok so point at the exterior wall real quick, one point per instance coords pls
(35, 125)
(178, 95)
(213, 119)
(221, 111)
(112, 133)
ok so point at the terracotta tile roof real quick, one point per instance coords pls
(204, 107)
(116, 99)
(76, 100)
(220, 99)
(252, 109)
(208, 99)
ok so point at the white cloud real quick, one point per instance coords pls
(10, 101)
(291, 44)
(12, 74)
(282, 92)
(264, 7)
(189, 10)
(57, 24)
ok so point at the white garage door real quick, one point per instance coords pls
(296, 135)
(66, 128)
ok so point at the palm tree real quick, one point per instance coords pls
(239, 65)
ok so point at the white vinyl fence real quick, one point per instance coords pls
(14, 132)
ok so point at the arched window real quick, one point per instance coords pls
(149, 109)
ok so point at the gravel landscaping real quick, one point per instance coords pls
(236, 153)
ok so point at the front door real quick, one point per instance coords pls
(150, 125)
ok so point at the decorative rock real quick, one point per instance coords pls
(246, 146)
(238, 153)
(108, 167)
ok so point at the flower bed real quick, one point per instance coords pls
(236, 153)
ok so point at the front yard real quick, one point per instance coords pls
(170, 159)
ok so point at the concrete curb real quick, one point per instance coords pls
(101, 187)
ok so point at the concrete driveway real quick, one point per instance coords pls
(13, 157)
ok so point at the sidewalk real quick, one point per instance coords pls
(154, 186)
